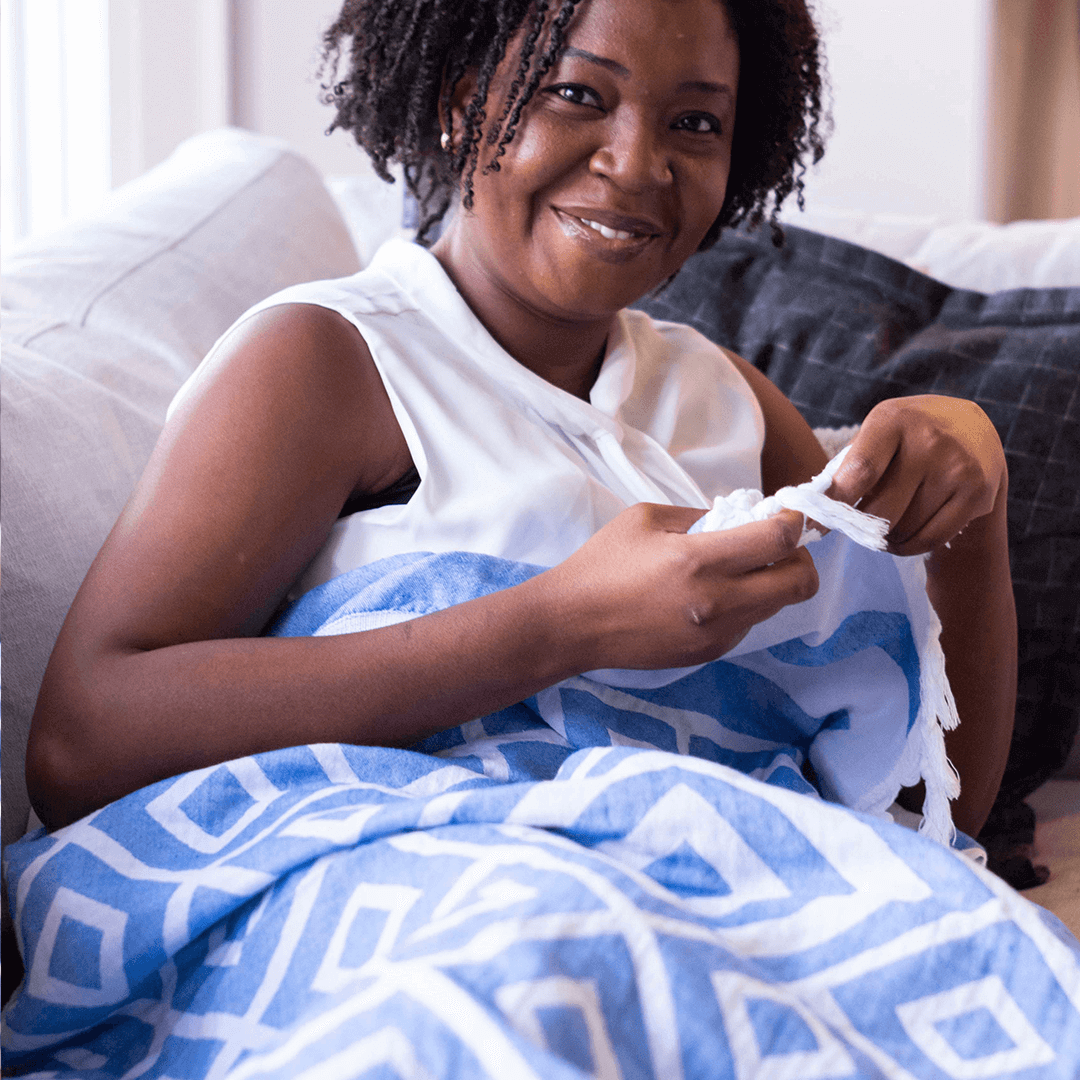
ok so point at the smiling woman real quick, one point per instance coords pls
(613, 182)
(309, 406)
(404, 70)
(419, 701)
(494, 396)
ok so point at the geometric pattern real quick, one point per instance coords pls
(922, 1017)
(394, 900)
(101, 979)
(828, 1060)
(850, 682)
(710, 840)
(168, 810)
(643, 914)
(523, 1003)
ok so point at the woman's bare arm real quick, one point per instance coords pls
(157, 669)
(932, 466)
(971, 588)
(791, 454)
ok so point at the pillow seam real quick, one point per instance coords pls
(82, 318)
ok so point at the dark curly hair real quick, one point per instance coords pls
(406, 58)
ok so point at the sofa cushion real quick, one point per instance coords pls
(102, 321)
(979, 255)
(839, 328)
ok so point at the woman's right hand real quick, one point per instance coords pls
(643, 594)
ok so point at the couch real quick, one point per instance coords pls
(104, 319)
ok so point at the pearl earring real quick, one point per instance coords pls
(444, 142)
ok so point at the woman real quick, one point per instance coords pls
(594, 146)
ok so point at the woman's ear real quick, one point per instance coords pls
(452, 111)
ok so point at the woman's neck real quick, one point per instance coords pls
(566, 352)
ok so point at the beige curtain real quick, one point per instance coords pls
(1033, 159)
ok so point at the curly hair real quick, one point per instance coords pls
(405, 60)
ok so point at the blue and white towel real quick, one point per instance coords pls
(594, 882)
(851, 682)
(333, 912)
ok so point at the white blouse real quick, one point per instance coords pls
(509, 464)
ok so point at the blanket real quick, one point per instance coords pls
(338, 911)
(628, 875)
(847, 687)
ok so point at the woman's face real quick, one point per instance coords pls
(619, 165)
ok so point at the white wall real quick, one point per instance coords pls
(909, 80)
(276, 47)
(170, 75)
(908, 77)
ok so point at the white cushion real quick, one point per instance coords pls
(372, 208)
(102, 321)
(976, 255)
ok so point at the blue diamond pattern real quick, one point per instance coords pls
(217, 803)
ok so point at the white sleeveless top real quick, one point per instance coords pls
(509, 464)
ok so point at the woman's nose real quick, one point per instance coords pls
(633, 156)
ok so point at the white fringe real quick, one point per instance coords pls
(746, 505)
(926, 756)
(937, 714)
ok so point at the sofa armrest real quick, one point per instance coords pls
(102, 322)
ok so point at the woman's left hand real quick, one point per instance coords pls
(928, 464)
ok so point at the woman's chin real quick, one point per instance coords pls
(602, 282)
(596, 297)
(588, 300)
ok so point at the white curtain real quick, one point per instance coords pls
(94, 92)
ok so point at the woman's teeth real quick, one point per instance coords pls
(609, 234)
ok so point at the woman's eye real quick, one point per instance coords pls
(699, 123)
(576, 94)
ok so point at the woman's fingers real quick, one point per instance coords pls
(737, 604)
(755, 570)
(869, 456)
(757, 544)
(790, 581)
(644, 594)
(937, 529)
(927, 464)
(907, 502)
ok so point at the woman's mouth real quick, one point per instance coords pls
(615, 236)
(610, 234)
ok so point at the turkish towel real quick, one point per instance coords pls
(850, 682)
(544, 893)
(356, 912)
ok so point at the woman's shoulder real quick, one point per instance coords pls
(316, 318)
(285, 351)
(292, 330)
(300, 367)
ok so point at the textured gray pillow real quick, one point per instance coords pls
(102, 322)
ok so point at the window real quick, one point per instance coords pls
(55, 139)
(95, 92)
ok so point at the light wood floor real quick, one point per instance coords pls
(1057, 846)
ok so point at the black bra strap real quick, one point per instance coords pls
(401, 491)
